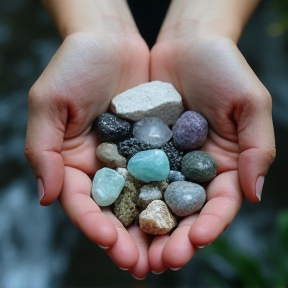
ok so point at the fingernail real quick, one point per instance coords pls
(175, 269)
(41, 191)
(201, 247)
(138, 278)
(259, 186)
(124, 269)
(157, 273)
(102, 247)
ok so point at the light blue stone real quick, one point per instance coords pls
(150, 165)
(106, 187)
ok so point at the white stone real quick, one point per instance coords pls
(152, 99)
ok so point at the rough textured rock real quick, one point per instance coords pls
(129, 147)
(108, 154)
(156, 219)
(149, 193)
(152, 130)
(125, 208)
(106, 186)
(128, 177)
(150, 165)
(111, 128)
(199, 166)
(174, 156)
(184, 198)
(175, 176)
(190, 131)
(152, 99)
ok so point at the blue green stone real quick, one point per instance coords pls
(150, 165)
(106, 187)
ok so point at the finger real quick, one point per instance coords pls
(142, 241)
(257, 145)
(45, 131)
(179, 250)
(224, 197)
(83, 211)
(124, 252)
(157, 265)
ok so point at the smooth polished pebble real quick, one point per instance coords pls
(150, 165)
(199, 166)
(184, 198)
(152, 130)
(190, 131)
(106, 186)
(108, 154)
(156, 219)
(152, 99)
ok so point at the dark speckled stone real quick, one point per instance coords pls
(111, 128)
(199, 166)
(190, 131)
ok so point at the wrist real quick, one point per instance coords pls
(72, 16)
(205, 18)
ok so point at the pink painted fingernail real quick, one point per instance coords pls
(41, 191)
(259, 186)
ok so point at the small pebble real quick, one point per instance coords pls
(111, 128)
(108, 154)
(150, 165)
(106, 186)
(125, 208)
(148, 193)
(175, 176)
(190, 131)
(184, 198)
(156, 219)
(152, 130)
(152, 99)
(199, 166)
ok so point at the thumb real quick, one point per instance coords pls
(45, 131)
(257, 145)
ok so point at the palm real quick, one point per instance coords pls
(215, 80)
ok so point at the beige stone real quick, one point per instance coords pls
(108, 154)
(156, 219)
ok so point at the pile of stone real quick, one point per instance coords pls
(149, 147)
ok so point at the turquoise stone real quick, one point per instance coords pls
(106, 187)
(150, 165)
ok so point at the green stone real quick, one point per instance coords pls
(106, 187)
(150, 165)
(199, 166)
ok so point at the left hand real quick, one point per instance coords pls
(215, 80)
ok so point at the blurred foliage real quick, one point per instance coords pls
(281, 6)
(235, 268)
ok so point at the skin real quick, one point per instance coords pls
(102, 55)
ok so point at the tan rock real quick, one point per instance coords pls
(108, 154)
(156, 219)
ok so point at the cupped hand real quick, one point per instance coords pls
(214, 79)
(77, 86)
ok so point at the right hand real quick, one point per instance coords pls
(78, 84)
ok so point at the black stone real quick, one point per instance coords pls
(174, 155)
(129, 147)
(199, 166)
(111, 128)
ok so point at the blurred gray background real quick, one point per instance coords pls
(39, 247)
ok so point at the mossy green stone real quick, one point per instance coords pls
(199, 166)
(150, 165)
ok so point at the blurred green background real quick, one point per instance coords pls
(39, 247)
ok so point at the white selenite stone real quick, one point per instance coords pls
(152, 99)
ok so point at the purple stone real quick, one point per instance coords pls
(190, 131)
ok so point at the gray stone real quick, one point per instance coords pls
(152, 130)
(149, 193)
(175, 176)
(125, 208)
(156, 219)
(152, 99)
(184, 198)
(108, 154)
(199, 166)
